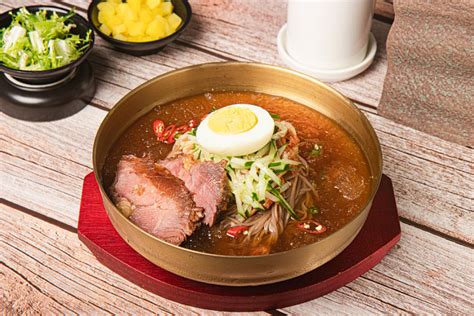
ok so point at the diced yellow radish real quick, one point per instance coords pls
(137, 29)
(112, 21)
(128, 25)
(119, 29)
(135, 5)
(147, 38)
(174, 21)
(121, 8)
(120, 37)
(153, 3)
(164, 24)
(105, 29)
(134, 39)
(165, 8)
(126, 13)
(156, 29)
(103, 16)
(138, 20)
(106, 7)
(145, 15)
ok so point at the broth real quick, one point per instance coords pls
(340, 173)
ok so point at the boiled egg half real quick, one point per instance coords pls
(235, 130)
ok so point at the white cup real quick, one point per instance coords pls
(329, 34)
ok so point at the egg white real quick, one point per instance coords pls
(237, 144)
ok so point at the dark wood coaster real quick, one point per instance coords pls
(379, 234)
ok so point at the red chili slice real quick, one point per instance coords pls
(183, 129)
(311, 227)
(168, 134)
(158, 127)
(235, 231)
(169, 131)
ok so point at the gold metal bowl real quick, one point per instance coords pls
(236, 270)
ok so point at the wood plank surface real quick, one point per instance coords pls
(60, 273)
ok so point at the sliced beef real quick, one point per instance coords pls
(155, 200)
(208, 183)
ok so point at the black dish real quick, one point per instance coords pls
(48, 76)
(181, 8)
(51, 103)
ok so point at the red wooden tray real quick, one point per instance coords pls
(380, 233)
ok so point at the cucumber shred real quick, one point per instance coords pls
(256, 177)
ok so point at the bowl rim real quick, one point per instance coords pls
(72, 64)
(375, 177)
(144, 45)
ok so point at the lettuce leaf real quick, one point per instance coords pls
(40, 41)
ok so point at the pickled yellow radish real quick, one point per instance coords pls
(174, 21)
(124, 11)
(153, 3)
(105, 29)
(137, 20)
(119, 29)
(103, 16)
(106, 7)
(112, 21)
(145, 15)
(155, 29)
(163, 24)
(137, 29)
(165, 8)
(135, 5)
(120, 37)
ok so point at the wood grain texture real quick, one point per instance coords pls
(415, 270)
(42, 164)
(55, 264)
(60, 274)
(433, 178)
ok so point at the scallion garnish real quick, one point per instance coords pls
(317, 150)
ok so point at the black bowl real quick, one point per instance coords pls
(48, 76)
(181, 8)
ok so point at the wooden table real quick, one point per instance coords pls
(44, 267)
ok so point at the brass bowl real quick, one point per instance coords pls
(236, 270)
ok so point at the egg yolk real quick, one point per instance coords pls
(232, 120)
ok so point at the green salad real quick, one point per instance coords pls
(40, 41)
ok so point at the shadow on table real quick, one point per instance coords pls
(48, 105)
(42, 114)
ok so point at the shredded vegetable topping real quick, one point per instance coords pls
(40, 41)
(256, 180)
